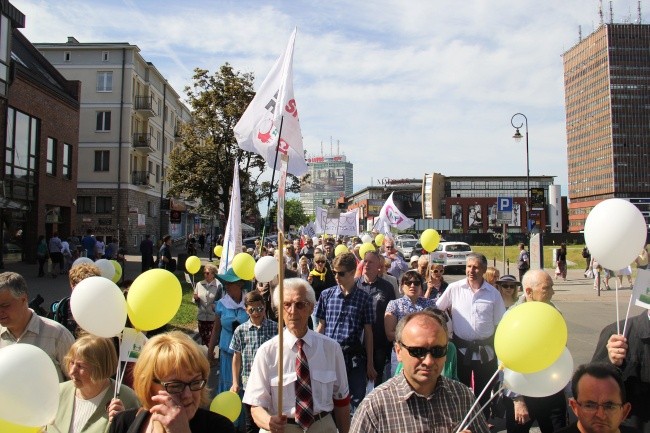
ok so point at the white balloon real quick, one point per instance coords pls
(366, 239)
(81, 260)
(106, 267)
(99, 307)
(266, 269)
(29, 394)
(615, 232)
(542, 383)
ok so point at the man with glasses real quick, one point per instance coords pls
(345, 314)
(599, 400)
(329, 392)
(419, 399)
(397, 265)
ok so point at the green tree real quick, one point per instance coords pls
(294, 214)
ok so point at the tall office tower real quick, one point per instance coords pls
(607, 98)
(330, 177)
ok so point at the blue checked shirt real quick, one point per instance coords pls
(247, 339)
(345, 317)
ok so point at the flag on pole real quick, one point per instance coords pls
(273, 109)
(390, 216)
(282, 186)
(232, 238)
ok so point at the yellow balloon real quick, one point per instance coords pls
(227, 404)
(368, 246)
(118, 271)
(6, 426)
(430, 239)
(530, 337)
(244, 266)
(379, 240)
(340, 249)
(193, 264)
(218, 250)
(153, 299)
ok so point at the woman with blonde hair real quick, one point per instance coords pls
(169, 379)
(435, 283)
(86, 402)
(491, 275)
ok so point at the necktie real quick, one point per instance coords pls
(304, 398)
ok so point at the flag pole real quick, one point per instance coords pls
(268, 202)
(280, 320)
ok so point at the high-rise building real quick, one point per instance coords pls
(607, 97)
(329, 178)
(129, 120)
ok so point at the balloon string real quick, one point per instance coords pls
(618, 316)
(627, 314)
(476, 402)
(478, 412)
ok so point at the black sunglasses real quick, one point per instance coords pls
(421, 352)
(340, 273)
(255, 309)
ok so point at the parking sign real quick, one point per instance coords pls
(504, 210)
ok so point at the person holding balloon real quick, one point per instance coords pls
(87, 401)
(170, 380)
(230, 313)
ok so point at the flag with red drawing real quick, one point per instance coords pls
(390, 216)
(271, 119)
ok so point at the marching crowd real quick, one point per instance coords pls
(371, 344)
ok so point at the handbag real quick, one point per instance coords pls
(589, 273)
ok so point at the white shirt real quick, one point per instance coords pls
(209, 294)
(329, 379)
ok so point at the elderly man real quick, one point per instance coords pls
(315, 383)
(549, 411)
(419, 399)
(19, 323)
(598, 400)
(476, 309)
(382, 293)
(397, 265)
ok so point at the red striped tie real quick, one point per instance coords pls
(304, 398)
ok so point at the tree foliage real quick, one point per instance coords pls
(202, 166)
(294, 214)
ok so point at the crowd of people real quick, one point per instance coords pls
(352, 324)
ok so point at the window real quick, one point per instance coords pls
(103, 121)
(104, 205)
(50, 164)
(150, 166)
(101, 160)
(157, 173)
(20, 155)
(105, 81)
(67, 161)
(84, 204)
(151, 209)
(66, 56)
(104, 56)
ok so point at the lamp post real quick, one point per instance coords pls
(518, 138)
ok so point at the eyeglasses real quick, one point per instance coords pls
(438, 271)
(592, 406)
(421, 352)
(320, 261)
(412, 283)
(340, 273)
(508, 286)
(255, 309)
(207, 273)
(388, 247)
(298, 305)
(177, 387)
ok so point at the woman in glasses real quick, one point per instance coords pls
(206, 295)
(86, 401)
(169, 379)
(508, 286)
(321, 277)
(411, 302)
(436, 283)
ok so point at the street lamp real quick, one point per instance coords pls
(518, 138)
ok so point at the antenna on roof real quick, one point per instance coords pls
(331, 151)
(611, 13)
(638, 10)
(321, 148)
(338, 147)
(600, 11)
(579, 33)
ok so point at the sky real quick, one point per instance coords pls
(402, 88)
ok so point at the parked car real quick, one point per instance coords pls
(405, 246)
(451, 254)
(406, 236)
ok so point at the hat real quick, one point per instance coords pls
(414, 259)
(508, 279)
(230, 277)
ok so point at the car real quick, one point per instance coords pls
(406, 236)
(405, 246)
(451, 254)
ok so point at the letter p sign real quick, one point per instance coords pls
(504, 204)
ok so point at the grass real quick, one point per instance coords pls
(186, 315)
(574, 254)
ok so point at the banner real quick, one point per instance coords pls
(309, 230)
(390, 216)
(347, 224)
(232, 236)
(258, 129)
(641, 289)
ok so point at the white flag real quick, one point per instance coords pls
(257, 130)
(390, 216)
(232, 237)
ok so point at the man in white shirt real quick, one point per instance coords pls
(476, 309)
(329, 383)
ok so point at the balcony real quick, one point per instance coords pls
(144, 106)
(144, 178)
(143, 142)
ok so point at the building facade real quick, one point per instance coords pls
(607, 98)
(329, 178)
(129, 124)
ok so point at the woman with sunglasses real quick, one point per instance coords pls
(436, 284)
(508, 286)
(206, 295)
(321, 277)
(411, 302)
(169, 379)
